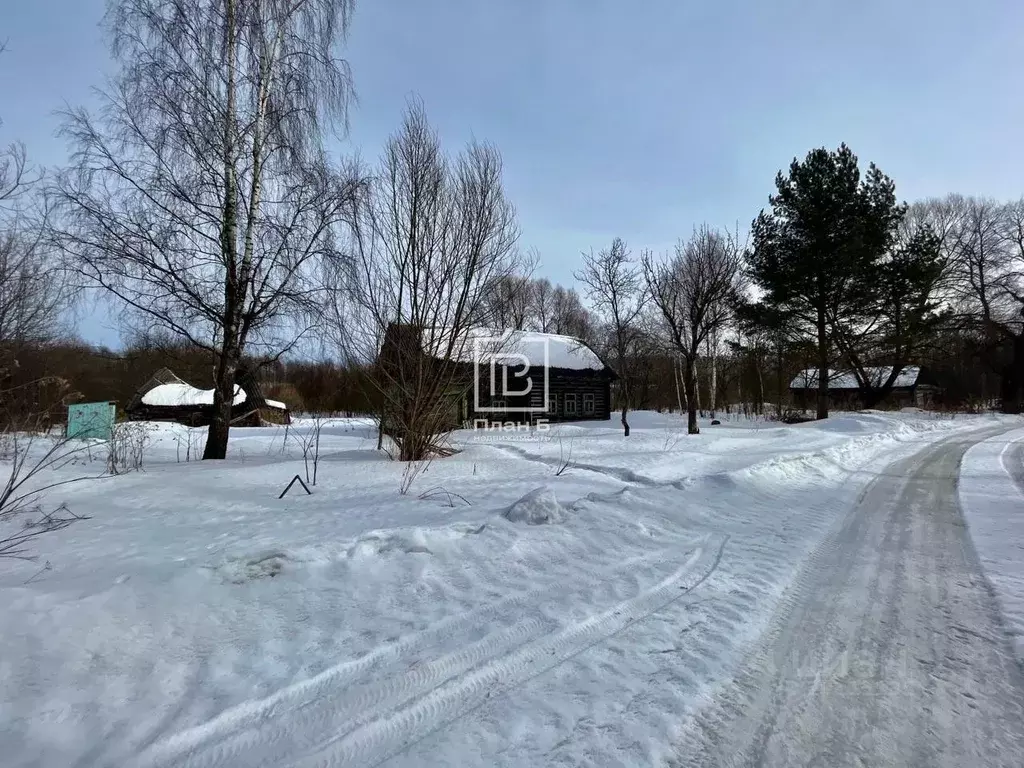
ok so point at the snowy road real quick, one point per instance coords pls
(887, 651)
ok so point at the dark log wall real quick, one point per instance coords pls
(242, 415)
(564, 388)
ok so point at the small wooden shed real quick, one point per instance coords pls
(166, 397)
(912, 388)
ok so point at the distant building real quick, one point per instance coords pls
(548, 376)
(165, 397)
(912, 388)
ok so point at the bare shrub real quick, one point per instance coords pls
(33, 453)
(436, 234)
(565, 462)
(192, 442)
(309, 444)
(440, 492)
(128, 444)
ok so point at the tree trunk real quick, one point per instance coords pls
(713, 385)
(690, 382)
(227, 364)
(778, 380)
(1013, 387)
(759, 403)
(695, 399)
(675, 375)
(625, 392)
(223, 399)
(822, 365)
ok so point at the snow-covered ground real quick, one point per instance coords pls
(992, 497)
(560, 598)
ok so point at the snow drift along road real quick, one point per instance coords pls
(992, 495)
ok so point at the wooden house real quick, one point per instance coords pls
(165, 397)
(503, 376)
(912, 388)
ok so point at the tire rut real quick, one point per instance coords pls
(867, 661)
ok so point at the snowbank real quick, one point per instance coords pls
(992, 496)
(538, 507)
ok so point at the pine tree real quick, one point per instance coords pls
(817, 253)
(901, 317)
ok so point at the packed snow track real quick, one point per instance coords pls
(888, 650)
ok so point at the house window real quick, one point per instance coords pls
(553, 405)
(498, 405)
(570, 405)
(588, 404)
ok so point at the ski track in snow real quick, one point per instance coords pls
(325, 721)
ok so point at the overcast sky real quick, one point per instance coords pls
(634, 119)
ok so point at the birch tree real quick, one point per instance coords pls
(200, 196)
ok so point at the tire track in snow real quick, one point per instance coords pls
(252, 723)
(392, 732)
(617, 473)
(277, 741)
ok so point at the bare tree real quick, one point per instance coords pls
(612, 283)
(201, 198)
(568, 315)
(16, 175)
(508, 302)
(692, 292)
(1010, 295)
(436, 234)
(990, 264)
(541, 309)
(33, 292)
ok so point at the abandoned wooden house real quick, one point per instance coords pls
(501, 376)
(165, 397)
(912, 388)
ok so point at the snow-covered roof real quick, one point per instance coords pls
(808, 379)
(536, 349)
(184, 394)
